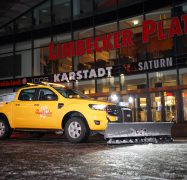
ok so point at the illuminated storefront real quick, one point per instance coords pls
(137, 49)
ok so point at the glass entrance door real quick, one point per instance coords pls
(140, 107)
(156, 106)
(138, 104)
(170, 106)
(184, 97)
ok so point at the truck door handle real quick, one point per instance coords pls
(17, 104)
(36, 104)
(60, 105)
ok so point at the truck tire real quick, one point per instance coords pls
(5, 130)
(76, 130)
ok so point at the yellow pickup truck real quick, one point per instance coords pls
(49, 106)
(43, 107)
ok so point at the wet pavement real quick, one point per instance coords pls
(55, 158)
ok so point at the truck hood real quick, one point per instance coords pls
(87, 101)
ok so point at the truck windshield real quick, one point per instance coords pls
(71, 93)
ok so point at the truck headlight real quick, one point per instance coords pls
(100, 107)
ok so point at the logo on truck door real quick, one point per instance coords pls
(44, 112)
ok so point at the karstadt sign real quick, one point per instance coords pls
(83, 74)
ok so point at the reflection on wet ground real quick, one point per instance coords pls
(55, 158)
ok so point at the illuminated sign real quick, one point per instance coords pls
(39, 79)
(118, 39)
(155, 64)
(83, 74)
(87, 46)
(10, 83)
(149, 65)
(24, 81)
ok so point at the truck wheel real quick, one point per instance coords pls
(5, 130)
(76, 131)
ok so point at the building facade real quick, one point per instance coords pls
(137, 49)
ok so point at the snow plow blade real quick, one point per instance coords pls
(138, 132)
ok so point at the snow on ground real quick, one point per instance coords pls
(24, 159)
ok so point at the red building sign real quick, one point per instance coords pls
(118, 39)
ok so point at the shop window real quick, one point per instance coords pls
(133, 82)
(2, 30)
(23, 45)
(181, 41)
(103, 85)
(110, 57)
(85, 86)
(105, 5)
(160, 48)
(82, 8)
(170, 106)
(156, 107)
(42, 64)
(159, 14)
(108, 84)
(10, 65)
(124, 3)
(183, 76)
(42, 14)
(60, 38)
(62, 10)
(137, 51)
(86, 61)
(42, 42)
(163, 78)
(82, 34)
(131, 22)
(107, 28)
(8, 29)
(24, 22)
(25, 63)
(184, 96)
(139, 107)
(181, 44)
(8, 48)
(128, 101)
(63, 65)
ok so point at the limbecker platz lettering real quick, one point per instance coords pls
(106, 42)
(118, 39)
(150, 27)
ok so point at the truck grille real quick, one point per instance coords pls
(124, 114)
(113, 110)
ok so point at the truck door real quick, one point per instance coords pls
(23, 109)
(36, 108)
(46, 107)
